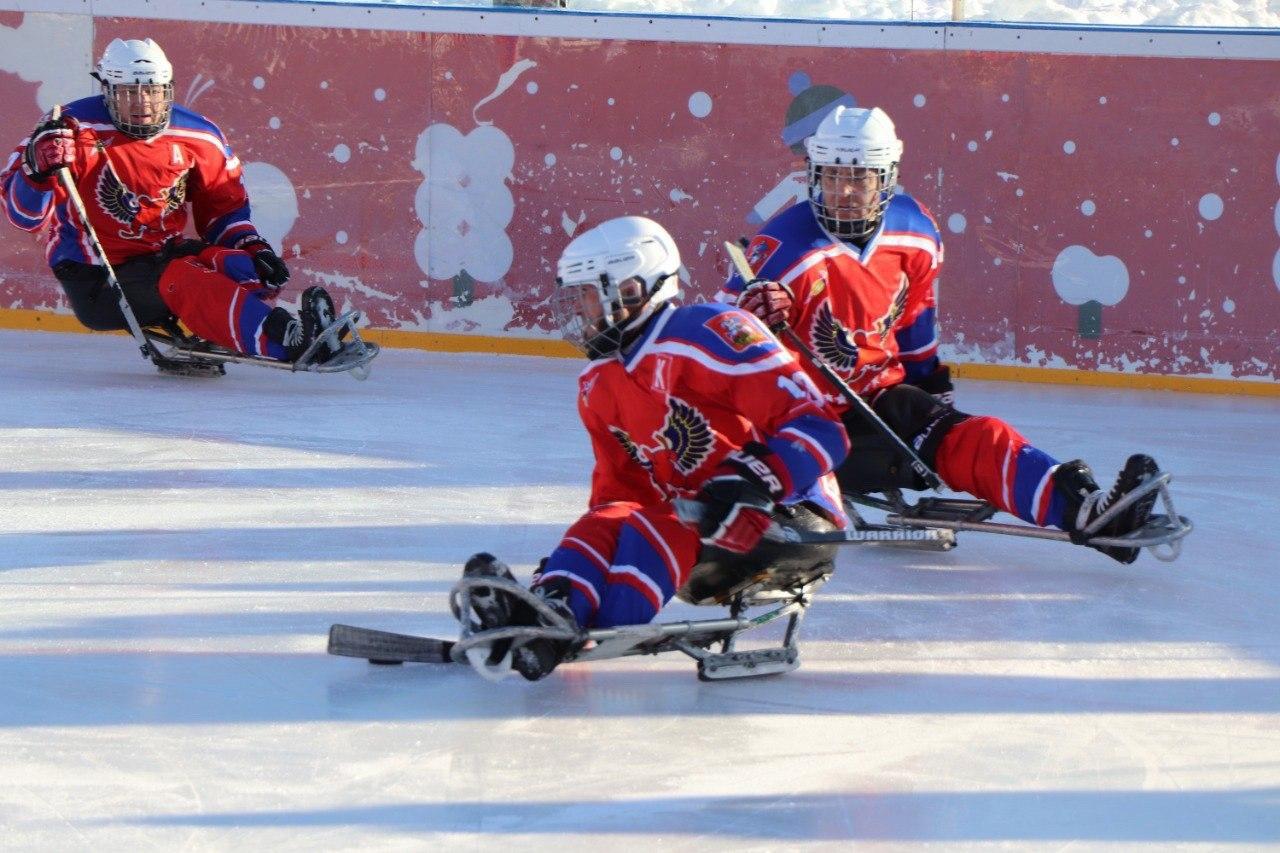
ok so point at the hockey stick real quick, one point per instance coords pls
(384, 647)
(131, 319)
(691, 511)
(922, 470)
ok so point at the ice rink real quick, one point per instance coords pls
(173, 552)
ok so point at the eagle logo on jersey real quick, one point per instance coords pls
(687, 434)
(832, 340)
(633, 450)
(141, 212)
(885, 324)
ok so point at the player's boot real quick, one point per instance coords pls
(1086, 501)
(495, 608)
(287, 330)
(537, 658)
(491, 608)
(317, 313)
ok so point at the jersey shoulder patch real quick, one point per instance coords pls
(723, 331)
(734, 328)
(761, 249)
(785, 239)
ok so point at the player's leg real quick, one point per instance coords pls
(983, 456)
(617, 565)
(621, 563)
(988, 458)
(227, 312)
(97, 308)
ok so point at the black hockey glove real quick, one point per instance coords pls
(939, 385)
(739, 498)
(271, 267)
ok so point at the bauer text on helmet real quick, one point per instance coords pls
(853, 170)
(137, 83)
(610, 280)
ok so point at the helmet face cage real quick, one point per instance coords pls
(139, 109)
(593, 315)
(137, 85)
(855, 211)
(611, 279)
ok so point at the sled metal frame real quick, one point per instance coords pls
(1162, 535)
(181, 354)
(710, 642)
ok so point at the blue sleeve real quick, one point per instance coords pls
(809, 446)
(26, 206)
(918, 345)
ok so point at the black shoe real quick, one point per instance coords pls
(288, 331)
(317, 313)
(537, 658)
(1087, 502)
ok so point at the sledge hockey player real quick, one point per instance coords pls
(138, 161)
(699, 401)
(852, 272)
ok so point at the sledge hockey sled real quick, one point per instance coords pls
(175, 352)
(710, 642)
(1162, 535)
(796, 556)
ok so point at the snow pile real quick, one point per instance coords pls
(1171, 13)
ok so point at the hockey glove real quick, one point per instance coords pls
(52, 146)
(271, 267)
(939, 385)
(768, 300)
(739, 498)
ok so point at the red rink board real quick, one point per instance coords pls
(1150, 183)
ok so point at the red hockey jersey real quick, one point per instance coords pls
(869, 314)
(136, 191)
(703, 381)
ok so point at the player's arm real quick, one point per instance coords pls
(28, 178)
(797, 441)
(803, 437)
(800, 430)
(220, 208)
(916, 331)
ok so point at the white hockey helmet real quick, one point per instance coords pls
(610, 280)
(137, 83)
(858, 152)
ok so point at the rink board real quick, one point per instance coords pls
(1110, 200)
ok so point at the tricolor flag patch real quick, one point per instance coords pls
(737, 330)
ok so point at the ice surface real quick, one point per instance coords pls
(173, 552)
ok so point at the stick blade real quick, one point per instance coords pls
(386, 647)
